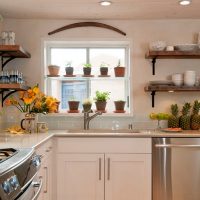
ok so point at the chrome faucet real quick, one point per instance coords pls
(87, 118)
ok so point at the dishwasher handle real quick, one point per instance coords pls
(177, 145)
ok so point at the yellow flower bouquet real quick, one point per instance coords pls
(33, 101)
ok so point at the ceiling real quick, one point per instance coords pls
(90, 9)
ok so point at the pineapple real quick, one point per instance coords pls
(195, 118)
(185, 118)
(173, 121)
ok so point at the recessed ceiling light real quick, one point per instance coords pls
(105, 3)
(185, 2)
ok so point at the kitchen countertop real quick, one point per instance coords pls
(35, 139)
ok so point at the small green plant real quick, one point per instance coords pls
(119, 63)
(120, 100)
(103, 64)
(87, 102)
(68, 64)
(73, 98)
(87, 65)
(102, 96)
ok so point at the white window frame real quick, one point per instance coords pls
(127, 44)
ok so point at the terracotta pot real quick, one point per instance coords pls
(101, 105)
(119, 105)
(53, 70)
(69, 70)
(104, 71)
(119, 71)
(73, 105)
(86, 71)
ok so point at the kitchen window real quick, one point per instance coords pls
(79, 87)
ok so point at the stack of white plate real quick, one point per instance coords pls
(189, 78)
(177, 79)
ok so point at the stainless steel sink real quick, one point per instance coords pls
(104, 131)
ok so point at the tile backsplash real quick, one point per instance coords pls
(63, 122)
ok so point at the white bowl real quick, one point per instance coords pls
(186, 47)
(178, 82)
(177, 76)
(157, 46)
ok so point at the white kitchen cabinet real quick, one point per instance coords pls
(103, 169)
(45, 172)
(80, 177)
(127, 176)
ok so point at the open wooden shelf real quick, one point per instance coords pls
(168, 88)
(7, 89)
(13, 51)
(8, 53)
(171, 55)
(13, 86)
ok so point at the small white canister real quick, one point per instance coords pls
(11, 38)
(4, 37)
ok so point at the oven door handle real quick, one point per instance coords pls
(38, 185)
(177, 146)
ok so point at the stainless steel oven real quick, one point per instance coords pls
(18, 174)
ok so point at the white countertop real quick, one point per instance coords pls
(8, 140)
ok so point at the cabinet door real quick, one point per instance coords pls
(128, 177)
(80, 176)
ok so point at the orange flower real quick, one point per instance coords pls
(33, 100)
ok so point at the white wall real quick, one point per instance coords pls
(31, 33)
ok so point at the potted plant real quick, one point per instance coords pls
(87, 69)
(119, 106)
(53, 70)
(69, 69)
(104, 69)
(119, 70)
(73, 106)
(87, 105)
(101, 100)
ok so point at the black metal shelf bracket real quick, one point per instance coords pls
(153, 65)
(153, 93)
(4, 97)
(5, 61)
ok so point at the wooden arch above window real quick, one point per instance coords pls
(86, 24)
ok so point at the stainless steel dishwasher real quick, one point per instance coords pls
(176, 168)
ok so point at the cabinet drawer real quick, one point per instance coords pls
(45, 148)
(103, 145)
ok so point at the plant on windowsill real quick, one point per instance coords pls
(53, 70)
(101, 100)
(104, 69)
(119, 70)
(119, 106)
(87, 69)
(69, 69)
(73, 105)
(87, 105)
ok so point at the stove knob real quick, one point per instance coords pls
(36, 161)
(6, 187)
(14, 182)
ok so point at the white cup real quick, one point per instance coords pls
(177, 76)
